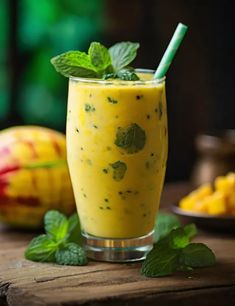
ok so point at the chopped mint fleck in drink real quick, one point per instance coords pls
(119, 170)
(89, 108)
(131, 138)
(111, 100)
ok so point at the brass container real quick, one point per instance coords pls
(216, 156)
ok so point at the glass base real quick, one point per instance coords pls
(118, 250)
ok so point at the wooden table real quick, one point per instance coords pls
(25, 283)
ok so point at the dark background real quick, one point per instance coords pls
(200, 82)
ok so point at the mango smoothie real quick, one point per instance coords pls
(117, 151)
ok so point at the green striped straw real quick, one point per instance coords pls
(170, 52)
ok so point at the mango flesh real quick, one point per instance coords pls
(219, 200)
(34, 176)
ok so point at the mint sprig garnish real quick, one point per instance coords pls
(71, 254)
(174, 253)
(122, 54)
(99, 62)
(99, 56)
(76, 64)
(60, 244)
(165, 223)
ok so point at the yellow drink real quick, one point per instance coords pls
(117, 152)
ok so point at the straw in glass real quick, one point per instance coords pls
(171, 50)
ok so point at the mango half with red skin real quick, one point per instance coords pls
(34, 176)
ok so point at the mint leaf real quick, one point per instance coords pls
(190, 230)
(74, 229)
(71, 254)
(160, 262)
(99, 62)
(127, 75)
(41, 248)
(197, 255)
(183, 268)
(76, 64)
(174, 253)
(110, 75)
(164, 224)
(123, 74)
(99, 55)
(131, 138)
(122, 54)
(178, 239)
(119, 170)
(56, 225)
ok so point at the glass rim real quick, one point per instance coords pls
(121, 82)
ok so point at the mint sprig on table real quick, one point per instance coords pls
(99, 62)
(60, 243)
(175, 252)
(172, 250)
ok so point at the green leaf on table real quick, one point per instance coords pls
(60, 243)
(190, 230)
(74, 229)
(56, 225)
(76, 64)
(131, 138)
(122, 54)
(178, 238)
(160, 262)
(99, 56)
(174, 252)
(41, 248)
(71, 254)
(197, 255)
(165, 223)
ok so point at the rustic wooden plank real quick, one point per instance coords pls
(25, 283)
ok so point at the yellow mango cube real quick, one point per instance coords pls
(203, 191)
(225, 183)
(230, 201)
(200, 207)
(216, 203)
(187, 203)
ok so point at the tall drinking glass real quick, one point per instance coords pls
(117, 151)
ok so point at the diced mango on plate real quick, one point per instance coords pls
(213, 200)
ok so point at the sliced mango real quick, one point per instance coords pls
(217, 201)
